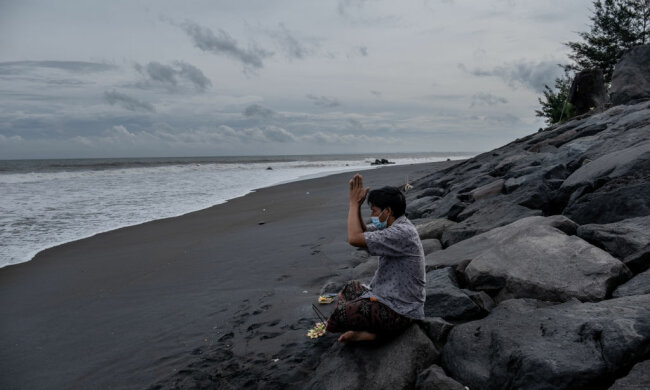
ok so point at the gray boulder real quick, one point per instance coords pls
(608, 167)
(639, 261)
(434, 378)
(389, 365)
(574, 345)
(483, 216)
(535, 258)
(441, 208)
(620, 199)
(470, 248)
(420, 207)
(436, 329)
(621, 239)
(638, 285)
(445, 299)
(631, 77)
(611, 188)
(487, 190)
(433, 228)
(431, 245)
(637, 379)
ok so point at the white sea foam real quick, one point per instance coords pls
(45, 208)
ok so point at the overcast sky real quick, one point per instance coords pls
(81, 78)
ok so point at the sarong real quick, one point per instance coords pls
(354, 313)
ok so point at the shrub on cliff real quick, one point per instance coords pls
(555, 105)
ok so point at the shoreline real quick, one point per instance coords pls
(34, 253)
(133, 306)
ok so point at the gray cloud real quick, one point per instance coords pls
(290, 45)
(376, 93)
(532, 75)
(127, 102)
(363, 50)
(324, 101)
(487, 99)
(17, 67)
(194, 75)
(223, 43)
(259, 112)
(169, 75)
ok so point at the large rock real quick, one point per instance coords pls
(622, 238)
(638, 285)
(468, 249)
(620, 199)
(488, 190)
(389, 365)
(433, 228)
(431, 245)
(588, 91)
(445, 299)
(420, 207)
(436, 329)
(637, 379)
(524, 345)
(639, 261)
(434, 378)
(608, 167)
(535, 258)
(631, 77)
(483, 216)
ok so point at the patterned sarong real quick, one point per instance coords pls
(354, 313)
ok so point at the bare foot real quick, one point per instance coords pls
(352, 335)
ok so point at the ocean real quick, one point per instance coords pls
(44, 203)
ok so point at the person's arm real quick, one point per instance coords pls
(356, 226)
(363, 224)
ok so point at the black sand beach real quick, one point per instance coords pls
(225, 290)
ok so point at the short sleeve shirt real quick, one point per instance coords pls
(399, 282)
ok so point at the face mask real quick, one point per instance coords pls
(378, 224)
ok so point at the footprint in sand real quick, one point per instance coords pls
(262, 309)
(303, 323)
(269, 335)
(226, 336)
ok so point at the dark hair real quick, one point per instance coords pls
(388, 197)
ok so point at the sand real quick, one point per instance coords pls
(220, 297)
